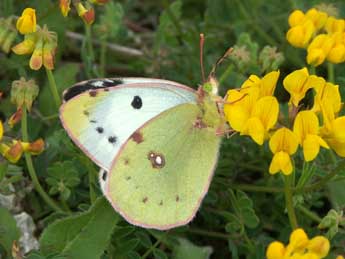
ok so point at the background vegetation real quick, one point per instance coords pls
(245, 207)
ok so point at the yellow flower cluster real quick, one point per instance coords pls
(40, 42)
(13, 150)
(86, 12)
(253, 110)
(323, 36)
(299, 247)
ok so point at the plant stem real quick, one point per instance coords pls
(53, 88)
(309, 214)
(31, 168)
(225, 75)
(330, 71)
(312, 70)
(289, 202)
(150, 250)
(209, 233)
(103, 58)
(323, 181)
(253, 188)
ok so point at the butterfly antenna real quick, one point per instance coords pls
(202, 41)
(219, 61)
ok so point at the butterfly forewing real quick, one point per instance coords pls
(161, 174)
(100, 118)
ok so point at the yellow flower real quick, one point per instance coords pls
(300, 35)
(333, 130)
(336, 54)
(297, 17)
(253, 110)
(65, 7)
(299, 247)
(298, 83)
(334, 25)
(275, 250)
(319, 245)
(13, 152)
(327, 91)
(266, 84)
(283, 143)
(319, 49)
(34, 148)
(88, 15)
(306, 128)
(26, 23)
(339, 257)
(240, 106)
(319, 18)
(27, 46)
(263, 118)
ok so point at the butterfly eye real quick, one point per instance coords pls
(137, 102)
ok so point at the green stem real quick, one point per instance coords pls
(225, 75)
(103, 58)
(312, 70)
(209, 233)
(253, 188)
(150, 250)
(289, 202)
(330, 71)
(53, 88)
(31, 168)
(89, 41)
(324, 180)
(309, 214)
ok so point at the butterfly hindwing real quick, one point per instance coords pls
(161, 174)
(100, 118)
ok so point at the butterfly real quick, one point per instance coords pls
(156, 141)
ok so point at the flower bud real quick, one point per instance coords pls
(300, 35)
(7, 44)
(297, 17)
(15, 118)
(65, 7)
(13, 152)
(27, 46)
(88, 15)
(49, 49)
(35, 147)
(334, 25)
(36, 60)
(24, 92)
(26, 23)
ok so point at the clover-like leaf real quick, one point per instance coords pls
(62, 178)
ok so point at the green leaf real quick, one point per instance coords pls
(246, 210)
(144, 239)
(3, 169)
(186, 249)
(159, 254)
(84, 236)
(166, 33)
(331, 222)
(9, 231)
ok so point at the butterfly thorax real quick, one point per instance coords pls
(211, 116)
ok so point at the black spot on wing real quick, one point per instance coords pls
(90, 85)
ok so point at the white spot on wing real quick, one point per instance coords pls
(98, 83)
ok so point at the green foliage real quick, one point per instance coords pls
(9, 232)
(85, 235)
(62, 177)
(245, 207)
